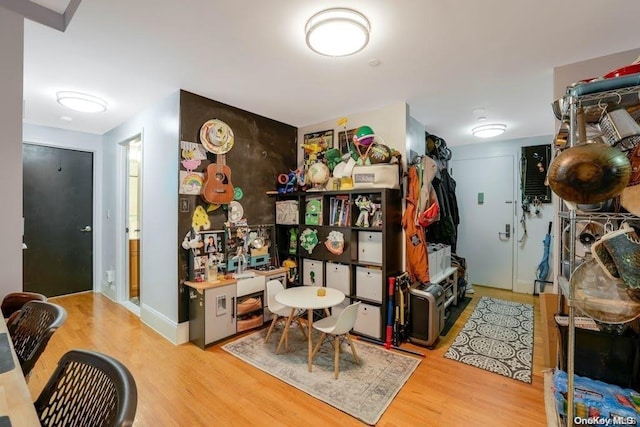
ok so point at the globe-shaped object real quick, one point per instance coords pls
(365, 135)
(318, 175)
(589, 173)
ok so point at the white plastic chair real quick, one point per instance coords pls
(338, 326)
(279, 311)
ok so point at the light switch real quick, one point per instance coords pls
(480, 198)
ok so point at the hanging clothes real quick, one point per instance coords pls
(446, 230)
(415, 243)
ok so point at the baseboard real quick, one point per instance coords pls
(174, 332)
(523, 287)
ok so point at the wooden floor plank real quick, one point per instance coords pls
(186, 386)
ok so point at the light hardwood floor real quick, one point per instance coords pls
(186, 386)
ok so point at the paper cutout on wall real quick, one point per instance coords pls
(200, 219)
(191, 182)
(191, 164)
(192, 151)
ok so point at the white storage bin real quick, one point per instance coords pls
(338, 277)
(312, 272)
(369, 283)
(434, 263)
(446, 257)
(369, 321)
(370, 246)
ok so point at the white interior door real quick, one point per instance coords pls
(484, 189)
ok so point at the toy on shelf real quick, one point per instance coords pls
(366, 207)
(287, 182)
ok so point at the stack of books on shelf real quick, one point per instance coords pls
(339, 211)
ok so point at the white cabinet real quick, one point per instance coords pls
(212, 311)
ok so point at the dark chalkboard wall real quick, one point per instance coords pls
(263, 149)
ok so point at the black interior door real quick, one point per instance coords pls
(58, 220)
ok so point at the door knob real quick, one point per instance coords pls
(507, 232)
(86, 229)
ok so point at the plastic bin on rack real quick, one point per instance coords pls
(614, 359)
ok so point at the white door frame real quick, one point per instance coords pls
(122, 243)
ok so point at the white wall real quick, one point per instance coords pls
(564, 75)
(11, 222)
(60, 138)
(528, 253)
(415, 139)
(159, 127)
(390, 123)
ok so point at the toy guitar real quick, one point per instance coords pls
(217, 188)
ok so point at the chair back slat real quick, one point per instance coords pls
(32, 329)
(88, 389)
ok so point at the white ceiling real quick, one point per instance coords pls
(444, 58)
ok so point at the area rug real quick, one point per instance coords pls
(363, 391)
(498, 337)
(453, 312)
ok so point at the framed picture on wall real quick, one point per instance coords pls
(344, 138)
(316, 142)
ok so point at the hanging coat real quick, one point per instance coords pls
(416, 245)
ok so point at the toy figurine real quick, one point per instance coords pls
(366, 208)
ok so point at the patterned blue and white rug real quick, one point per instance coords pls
(498, 337)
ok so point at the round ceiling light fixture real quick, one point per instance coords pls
(82, 102)
(489, 130)
(337, 32)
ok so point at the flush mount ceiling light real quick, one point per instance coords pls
(489, 130)
(81, 102)
(337, 32)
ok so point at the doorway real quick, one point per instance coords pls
(58, 220)
(486, 236)
(133, 229)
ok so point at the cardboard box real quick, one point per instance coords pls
(548, 308)
(550, 333)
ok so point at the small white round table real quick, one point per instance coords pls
(306, 297)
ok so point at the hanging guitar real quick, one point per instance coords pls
(217, 187)
(217, 138)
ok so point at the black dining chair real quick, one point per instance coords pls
(88, 389)
(14, 301)
(31, 330)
